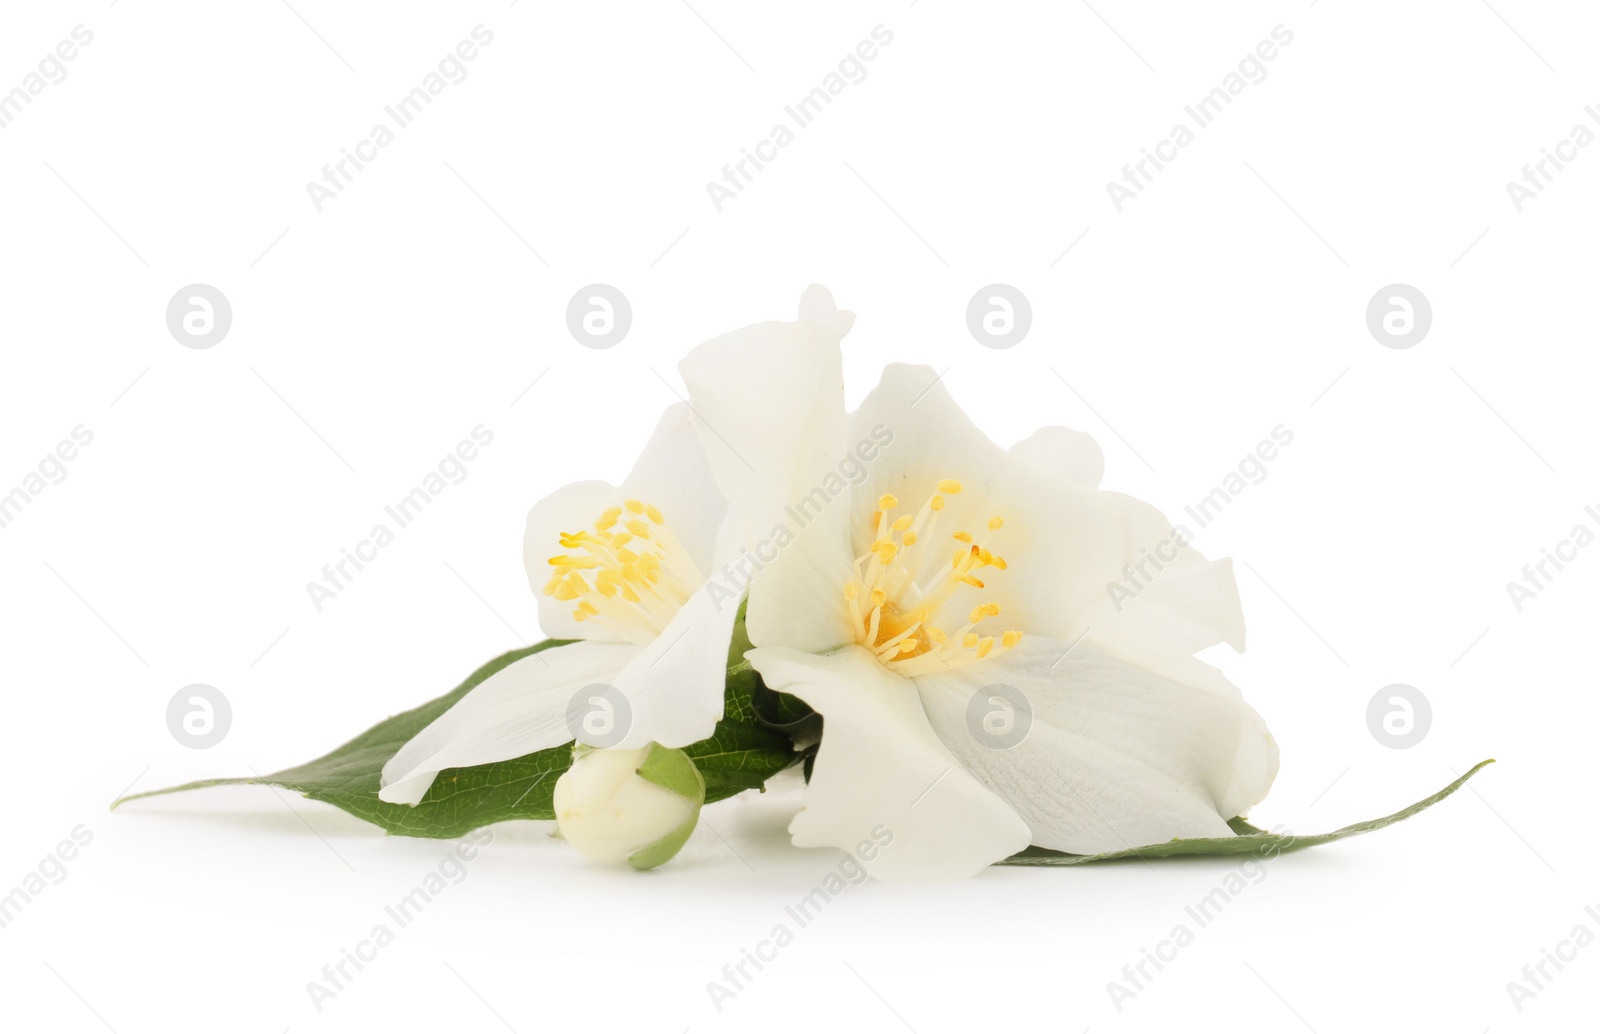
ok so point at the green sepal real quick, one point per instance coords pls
(672, 770)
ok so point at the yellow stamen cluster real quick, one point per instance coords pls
(630, 573)
(899, 591)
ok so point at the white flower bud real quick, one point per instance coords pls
(634, 806)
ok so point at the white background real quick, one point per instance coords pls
(425, 299)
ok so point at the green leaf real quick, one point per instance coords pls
(742, 753)
(1250, 841)
(460, 800)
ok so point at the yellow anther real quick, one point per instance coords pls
(654, 515)
(892, 601)
(634, 506)
(573, 561)
(608, 518)
(639, 528)
(621, 539)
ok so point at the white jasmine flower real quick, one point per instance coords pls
(955, 572)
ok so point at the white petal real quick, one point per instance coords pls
(674, 687)
(517, 710)
(1064, 453)
(817, 307)
(671, 474)
(1167, 601)
(571, 507)
(882, 773)
(797, 598)
(674, 475)
(932, 439)
(1060, 539)
(1115, 757)
(770, 403)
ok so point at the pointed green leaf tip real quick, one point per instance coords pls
(673, 770)
(1250, 840)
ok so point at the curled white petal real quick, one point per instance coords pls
(517, 710)
(884, 787)
(1113, 756)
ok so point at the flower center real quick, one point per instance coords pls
(630, 574)
(902, 585)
